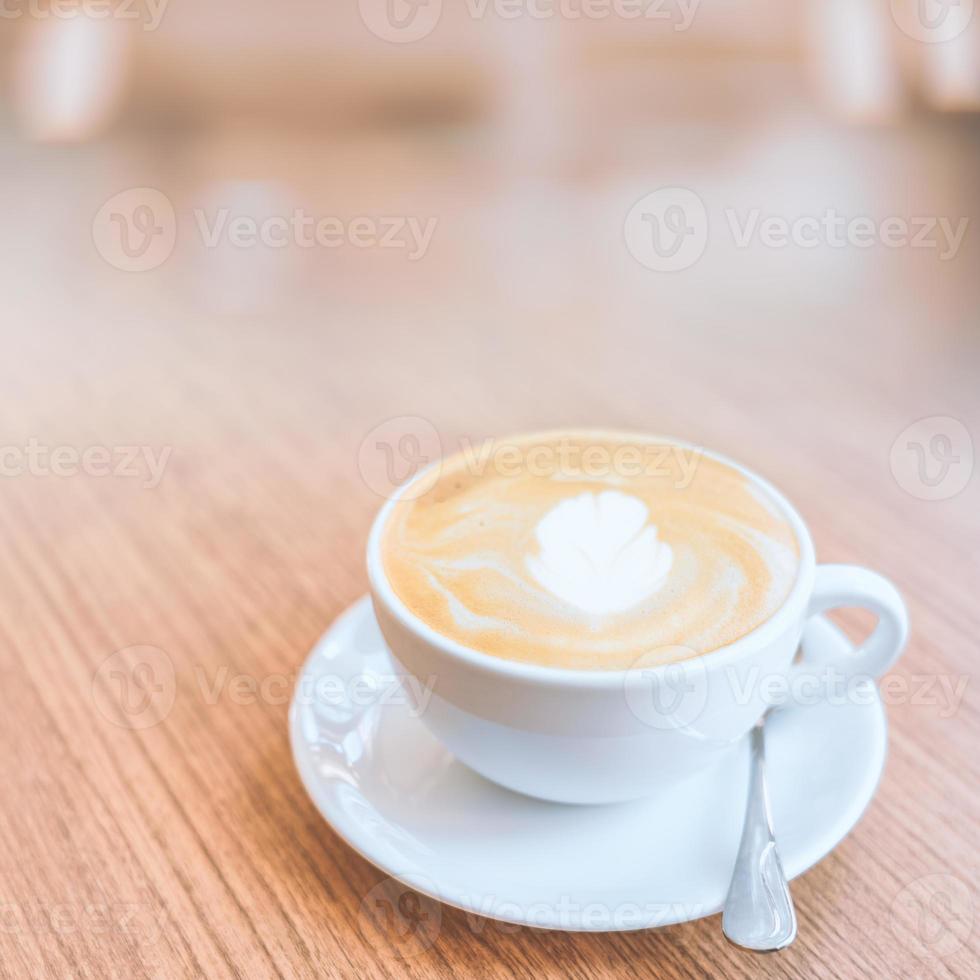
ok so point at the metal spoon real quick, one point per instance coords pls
(759, 912)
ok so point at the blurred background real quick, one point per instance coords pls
(520, 132)
(419, 207)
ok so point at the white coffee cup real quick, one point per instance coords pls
(595, 736)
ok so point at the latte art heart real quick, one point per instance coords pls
(599, 553)
(547, 554)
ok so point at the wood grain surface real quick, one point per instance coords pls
(186, 847)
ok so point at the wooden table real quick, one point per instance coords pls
(188, 847)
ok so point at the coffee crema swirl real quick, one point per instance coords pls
(589, 551)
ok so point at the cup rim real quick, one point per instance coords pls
(766, 632)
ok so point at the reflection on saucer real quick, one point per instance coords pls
(398, 797)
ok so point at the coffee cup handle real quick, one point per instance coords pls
(839, 586)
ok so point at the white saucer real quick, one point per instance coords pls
(401, 800)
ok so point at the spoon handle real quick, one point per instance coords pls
(759, 912)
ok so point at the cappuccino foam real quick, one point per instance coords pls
(589, 551)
